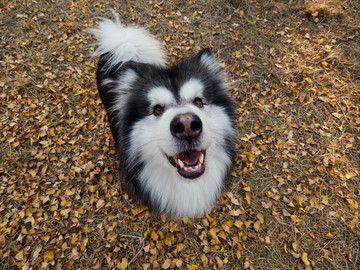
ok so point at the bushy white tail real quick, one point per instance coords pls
(124, 44)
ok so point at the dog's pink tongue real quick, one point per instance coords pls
(189, 158)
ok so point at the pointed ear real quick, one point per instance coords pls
(207, 60)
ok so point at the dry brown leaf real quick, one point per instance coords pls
(166, 264)
(20, 255)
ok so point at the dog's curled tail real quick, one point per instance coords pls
(124, 44)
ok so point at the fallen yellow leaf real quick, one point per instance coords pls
(213, 235)
(295, 219)
(247, 197)
(49, 255)
(261, 218)
(338, 115)
(45, 237)
(329, 236)
(350, 175)
(65, 212)
(32, 173)
(326, 255)
(304, 258)
(325, 200)
(351, 203)
(100, 203)
(238, 223)
(179, 263)
(257, 225)
(354, 223)
(235, 213)
(154, 236)
(86, 228)
(123, 264)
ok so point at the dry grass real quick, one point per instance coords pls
(293, 202)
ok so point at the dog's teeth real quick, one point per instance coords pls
(201, 159)
(181, 164)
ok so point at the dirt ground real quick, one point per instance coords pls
(293, 201)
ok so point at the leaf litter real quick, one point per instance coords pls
(293, 200)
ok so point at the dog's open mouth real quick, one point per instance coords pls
(189, 164)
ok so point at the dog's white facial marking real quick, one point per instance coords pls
(160, 95)
(191, 89)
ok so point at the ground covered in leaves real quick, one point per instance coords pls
(293, 201)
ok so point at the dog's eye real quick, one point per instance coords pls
(198, 102)
(158, 109)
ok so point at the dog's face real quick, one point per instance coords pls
(185, 121)
(179, 131)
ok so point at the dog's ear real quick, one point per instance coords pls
(206, 59)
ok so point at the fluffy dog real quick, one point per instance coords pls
(173, 126)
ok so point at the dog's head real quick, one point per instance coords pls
(178, 120)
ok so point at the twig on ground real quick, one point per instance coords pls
(141, 239)
(357, 252)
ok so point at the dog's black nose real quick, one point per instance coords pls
(186, 126)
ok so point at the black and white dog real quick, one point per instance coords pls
(173, 127)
